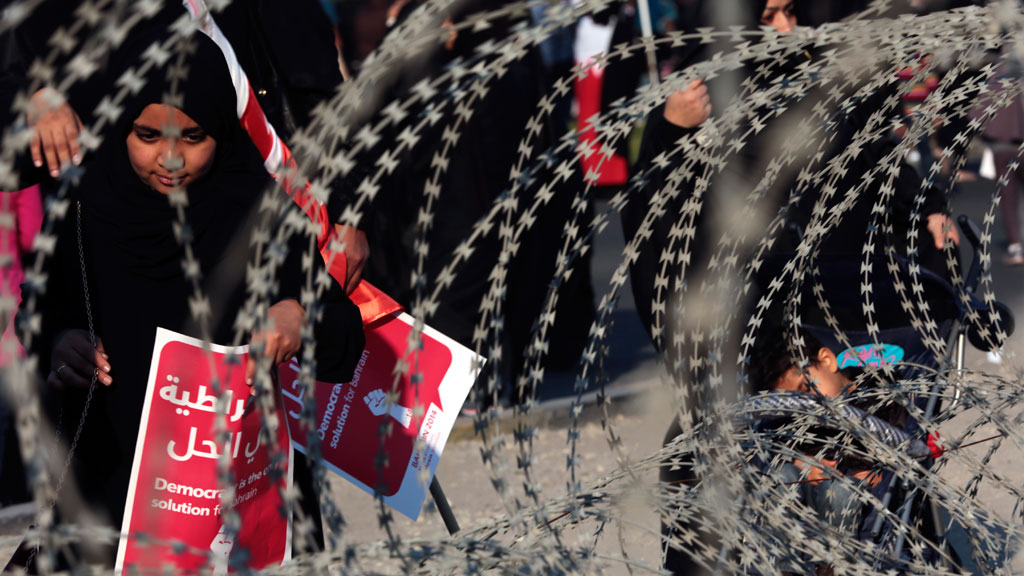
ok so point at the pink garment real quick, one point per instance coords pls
(21, 216)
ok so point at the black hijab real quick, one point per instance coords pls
(136, 219)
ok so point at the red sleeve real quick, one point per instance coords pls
(27, 206)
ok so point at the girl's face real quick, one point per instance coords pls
(169, 150)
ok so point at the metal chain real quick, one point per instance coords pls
(92, 383)
(92, 339)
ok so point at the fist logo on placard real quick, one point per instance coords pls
(377, 401)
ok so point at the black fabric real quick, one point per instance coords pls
(287, 49)
(476, 176)
(288, 52)
(746, 167)
(135, 277)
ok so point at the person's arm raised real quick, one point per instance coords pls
(689, 108)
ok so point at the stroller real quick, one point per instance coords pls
(916, 361)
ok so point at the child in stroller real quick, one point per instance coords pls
(828, 484)
(861, 379)
(907, 328)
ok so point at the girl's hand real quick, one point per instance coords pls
(283, 340)
(357, 251)
(74, 361)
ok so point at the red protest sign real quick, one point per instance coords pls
(349, 415)
(174, 497)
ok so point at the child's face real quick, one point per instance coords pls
(169, 150)
(824, 371)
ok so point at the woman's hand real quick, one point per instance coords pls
(56, 128)
(74, 361)
(283, 340)
(689, 108)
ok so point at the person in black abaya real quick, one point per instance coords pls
(684, 115)
(133, 272)
(477, 174)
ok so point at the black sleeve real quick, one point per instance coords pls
(301, 42)
(58, 304)
(12, 74)
(339, 336)
(907, 186)
(908, 182)
(306, 59)
(14, 61)
(339, 329)
(659, 136)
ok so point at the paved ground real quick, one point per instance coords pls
(641, 421)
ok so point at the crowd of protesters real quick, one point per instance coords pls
(131, 266)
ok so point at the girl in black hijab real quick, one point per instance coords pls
(133, 275)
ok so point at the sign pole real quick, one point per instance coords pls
(443, 507)
(647, 30)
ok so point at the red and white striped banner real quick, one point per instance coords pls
(279, 162)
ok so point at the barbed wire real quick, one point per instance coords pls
(735, 516)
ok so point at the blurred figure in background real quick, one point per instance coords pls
(1004, 133)
(22, 212)
(556, 53)
(476, 175)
